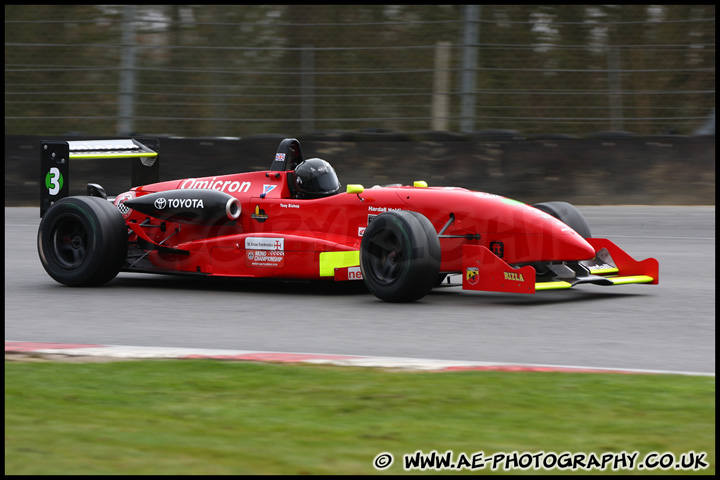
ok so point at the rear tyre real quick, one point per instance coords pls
(567, 214)
(400, 256)
(82, 241)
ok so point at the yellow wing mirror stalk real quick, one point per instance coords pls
(356, 189)
(420, 184)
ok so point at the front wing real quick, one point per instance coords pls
(484, 271)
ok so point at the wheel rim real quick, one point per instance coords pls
(386, 256)
(69, 241)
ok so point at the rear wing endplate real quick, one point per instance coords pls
(55, 159)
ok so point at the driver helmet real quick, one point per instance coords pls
(315, 178)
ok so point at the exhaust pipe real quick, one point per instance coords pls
(195, 206)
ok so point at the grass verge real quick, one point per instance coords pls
(214, 417)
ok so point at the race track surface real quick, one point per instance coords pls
(668, 327)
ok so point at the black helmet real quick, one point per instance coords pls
(315, 178)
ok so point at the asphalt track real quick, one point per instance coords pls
(668, 327)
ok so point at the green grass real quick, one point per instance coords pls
(213, 417)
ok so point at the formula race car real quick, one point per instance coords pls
(292, 221)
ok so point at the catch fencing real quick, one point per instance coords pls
(239, 70)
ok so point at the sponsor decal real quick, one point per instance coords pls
(120, 203)
(515, 277)
(354, 273)
(265, 252)
(162, 203)
(279, 157)
(215, 184)
(266, 258)
(472, 275)
(348, 273)
(259, 214)
(497, 248)
(262, 243)
(267, 189)
(54, 181)
(371, 217)
(603, 266)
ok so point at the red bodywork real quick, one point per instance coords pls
(402, 241)
(283, 237)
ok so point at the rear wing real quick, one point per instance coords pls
(55, 159)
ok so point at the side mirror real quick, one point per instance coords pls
(356, 189)
(95, 190)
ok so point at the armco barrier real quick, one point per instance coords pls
(609, 168)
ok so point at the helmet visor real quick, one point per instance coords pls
(324, 182)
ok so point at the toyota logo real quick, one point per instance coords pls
(160, 203)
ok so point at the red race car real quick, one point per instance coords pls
(292, 221)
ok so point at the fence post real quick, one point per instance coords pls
(127, 74)
(307, 88)
(469, 65)
(616, 113)
(441, 86)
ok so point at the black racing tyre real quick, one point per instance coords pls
(400, 256)
(82, 241)
(567, 214)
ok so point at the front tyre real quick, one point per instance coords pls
(400, 256)
(82, 241)
(568, 214)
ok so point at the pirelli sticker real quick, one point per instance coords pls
(263, 252)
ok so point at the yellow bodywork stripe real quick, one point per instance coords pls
(329, 261)
(552, 285)
(114, 155)
(630, 279)
(604, 271)
(615, 280)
